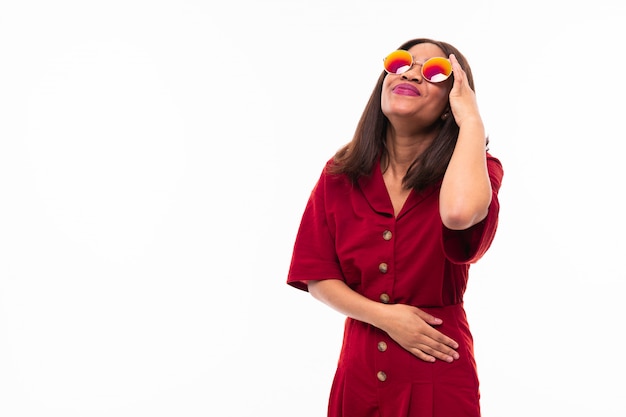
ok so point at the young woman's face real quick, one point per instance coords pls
(408, 95)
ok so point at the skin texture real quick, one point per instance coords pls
(414, 107)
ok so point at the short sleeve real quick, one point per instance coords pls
(314, 256)
(468, 246)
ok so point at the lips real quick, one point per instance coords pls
(406, 90)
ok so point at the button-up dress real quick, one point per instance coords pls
(349, 232)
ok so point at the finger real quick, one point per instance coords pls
(440, 341)
(443, 340)
(440, 352)
(421, 355)
(453, 60)
(447, 352)
(460, 77)
(456, 66)
(429, 318)
(436, 344)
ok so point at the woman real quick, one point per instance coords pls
(388, 235)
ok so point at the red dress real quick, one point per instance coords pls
(348, 232)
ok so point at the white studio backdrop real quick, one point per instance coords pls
(155, 159)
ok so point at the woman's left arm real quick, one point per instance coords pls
(466, 190)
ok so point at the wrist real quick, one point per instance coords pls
(471, 122)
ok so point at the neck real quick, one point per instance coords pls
(402, 151)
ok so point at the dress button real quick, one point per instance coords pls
(384, 298)
(382, 346)
(383, 267)
(382, 377)
(387, 235)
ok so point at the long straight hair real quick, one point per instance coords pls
(358, 157)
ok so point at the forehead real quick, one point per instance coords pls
(425, 51)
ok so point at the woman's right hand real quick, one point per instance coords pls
(409, 326)
(413, 329)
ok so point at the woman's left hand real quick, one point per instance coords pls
(462, 98)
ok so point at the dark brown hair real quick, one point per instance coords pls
(358, 157)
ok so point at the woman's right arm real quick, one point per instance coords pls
(407, 325)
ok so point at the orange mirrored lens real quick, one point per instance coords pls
(437, 69)
(398, 62)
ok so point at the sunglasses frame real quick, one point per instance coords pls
(424, 64)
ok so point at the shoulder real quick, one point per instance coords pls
(330, 182)
(496, 172)
(329, 172)
(493, 160)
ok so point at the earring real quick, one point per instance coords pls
(445, 116)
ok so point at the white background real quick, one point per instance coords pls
(156, 156)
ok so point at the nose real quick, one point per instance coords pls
(413, 74)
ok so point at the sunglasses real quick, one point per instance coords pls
(434, 70)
